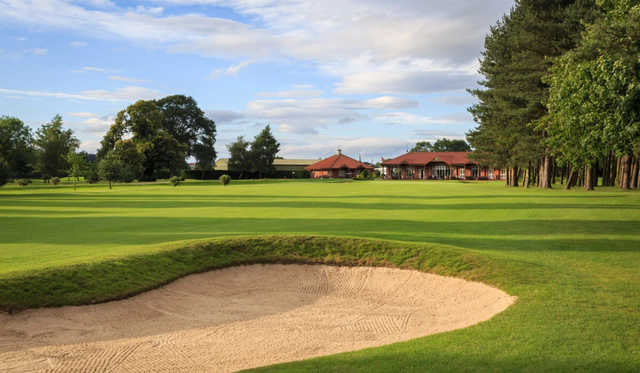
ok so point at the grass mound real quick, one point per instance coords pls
(126, 276)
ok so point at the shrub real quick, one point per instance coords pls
(23, 182)
(183, 175)
(55, 180)
(225, 179)
(174, 180)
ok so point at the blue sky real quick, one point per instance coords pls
(369, 76)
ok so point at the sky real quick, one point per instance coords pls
(371, 77)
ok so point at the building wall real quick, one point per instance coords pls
(428, 172)
(345, 173)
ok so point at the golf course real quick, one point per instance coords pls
(571, 259)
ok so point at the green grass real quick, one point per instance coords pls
(572, 258)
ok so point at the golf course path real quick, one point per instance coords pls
(244, 317)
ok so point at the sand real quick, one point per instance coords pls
(244, 317)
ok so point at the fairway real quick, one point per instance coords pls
(571, 257)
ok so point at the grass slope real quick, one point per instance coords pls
(572, 258)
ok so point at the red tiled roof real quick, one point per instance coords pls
(337, 162)
(422, 158)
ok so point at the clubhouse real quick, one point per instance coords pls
(337, 166)
(438, 166)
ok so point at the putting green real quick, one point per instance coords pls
(571, 258)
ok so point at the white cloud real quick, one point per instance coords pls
(231, 70)
(92, 69)
(369, 148)
(37, 51)
(130, 93)
(331, 34)
(127, 79)
(296, 91)
(390, 102)
(96, 3)
(78, 44)
(81, 114)
(404, 118)
(90, 146)
(224, 116)
(309, 115)
(456, 100)
(97, 125)
(149, 10)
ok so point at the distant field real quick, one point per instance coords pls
(572, 258)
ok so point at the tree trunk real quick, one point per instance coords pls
(588, 177)
(525, 179)
(625, 171)
(109, 184)
(634, 174)
(514, 176)
(545, 174)
(570, 179)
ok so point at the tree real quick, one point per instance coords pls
(165, 132)
(594, 101)
(77, 165)
(16, 147)
(422, 146)
(4, 172)
(53, 144)
(518, 53)
(163, 156)
(128, 153)
(240, 156)
(446, 145)
(205, 153)
(186, 122)
(109, 168)
(263, 151)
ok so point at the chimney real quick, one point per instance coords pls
(339, 151)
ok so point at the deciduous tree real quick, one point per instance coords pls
(53, 143)
(16, 147)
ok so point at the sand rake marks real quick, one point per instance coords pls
(380, 325)
(94, 357)
(315, 285)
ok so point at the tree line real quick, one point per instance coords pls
(560, 94)
(148, 140)
(442, 145)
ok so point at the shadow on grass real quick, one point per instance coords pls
(493, 235)
(165, 201)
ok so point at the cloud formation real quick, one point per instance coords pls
(363, 45)
(130, 93)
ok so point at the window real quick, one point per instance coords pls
(462, 173)
(475, 172)
(440, 171)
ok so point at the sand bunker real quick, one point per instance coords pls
(245, 317)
